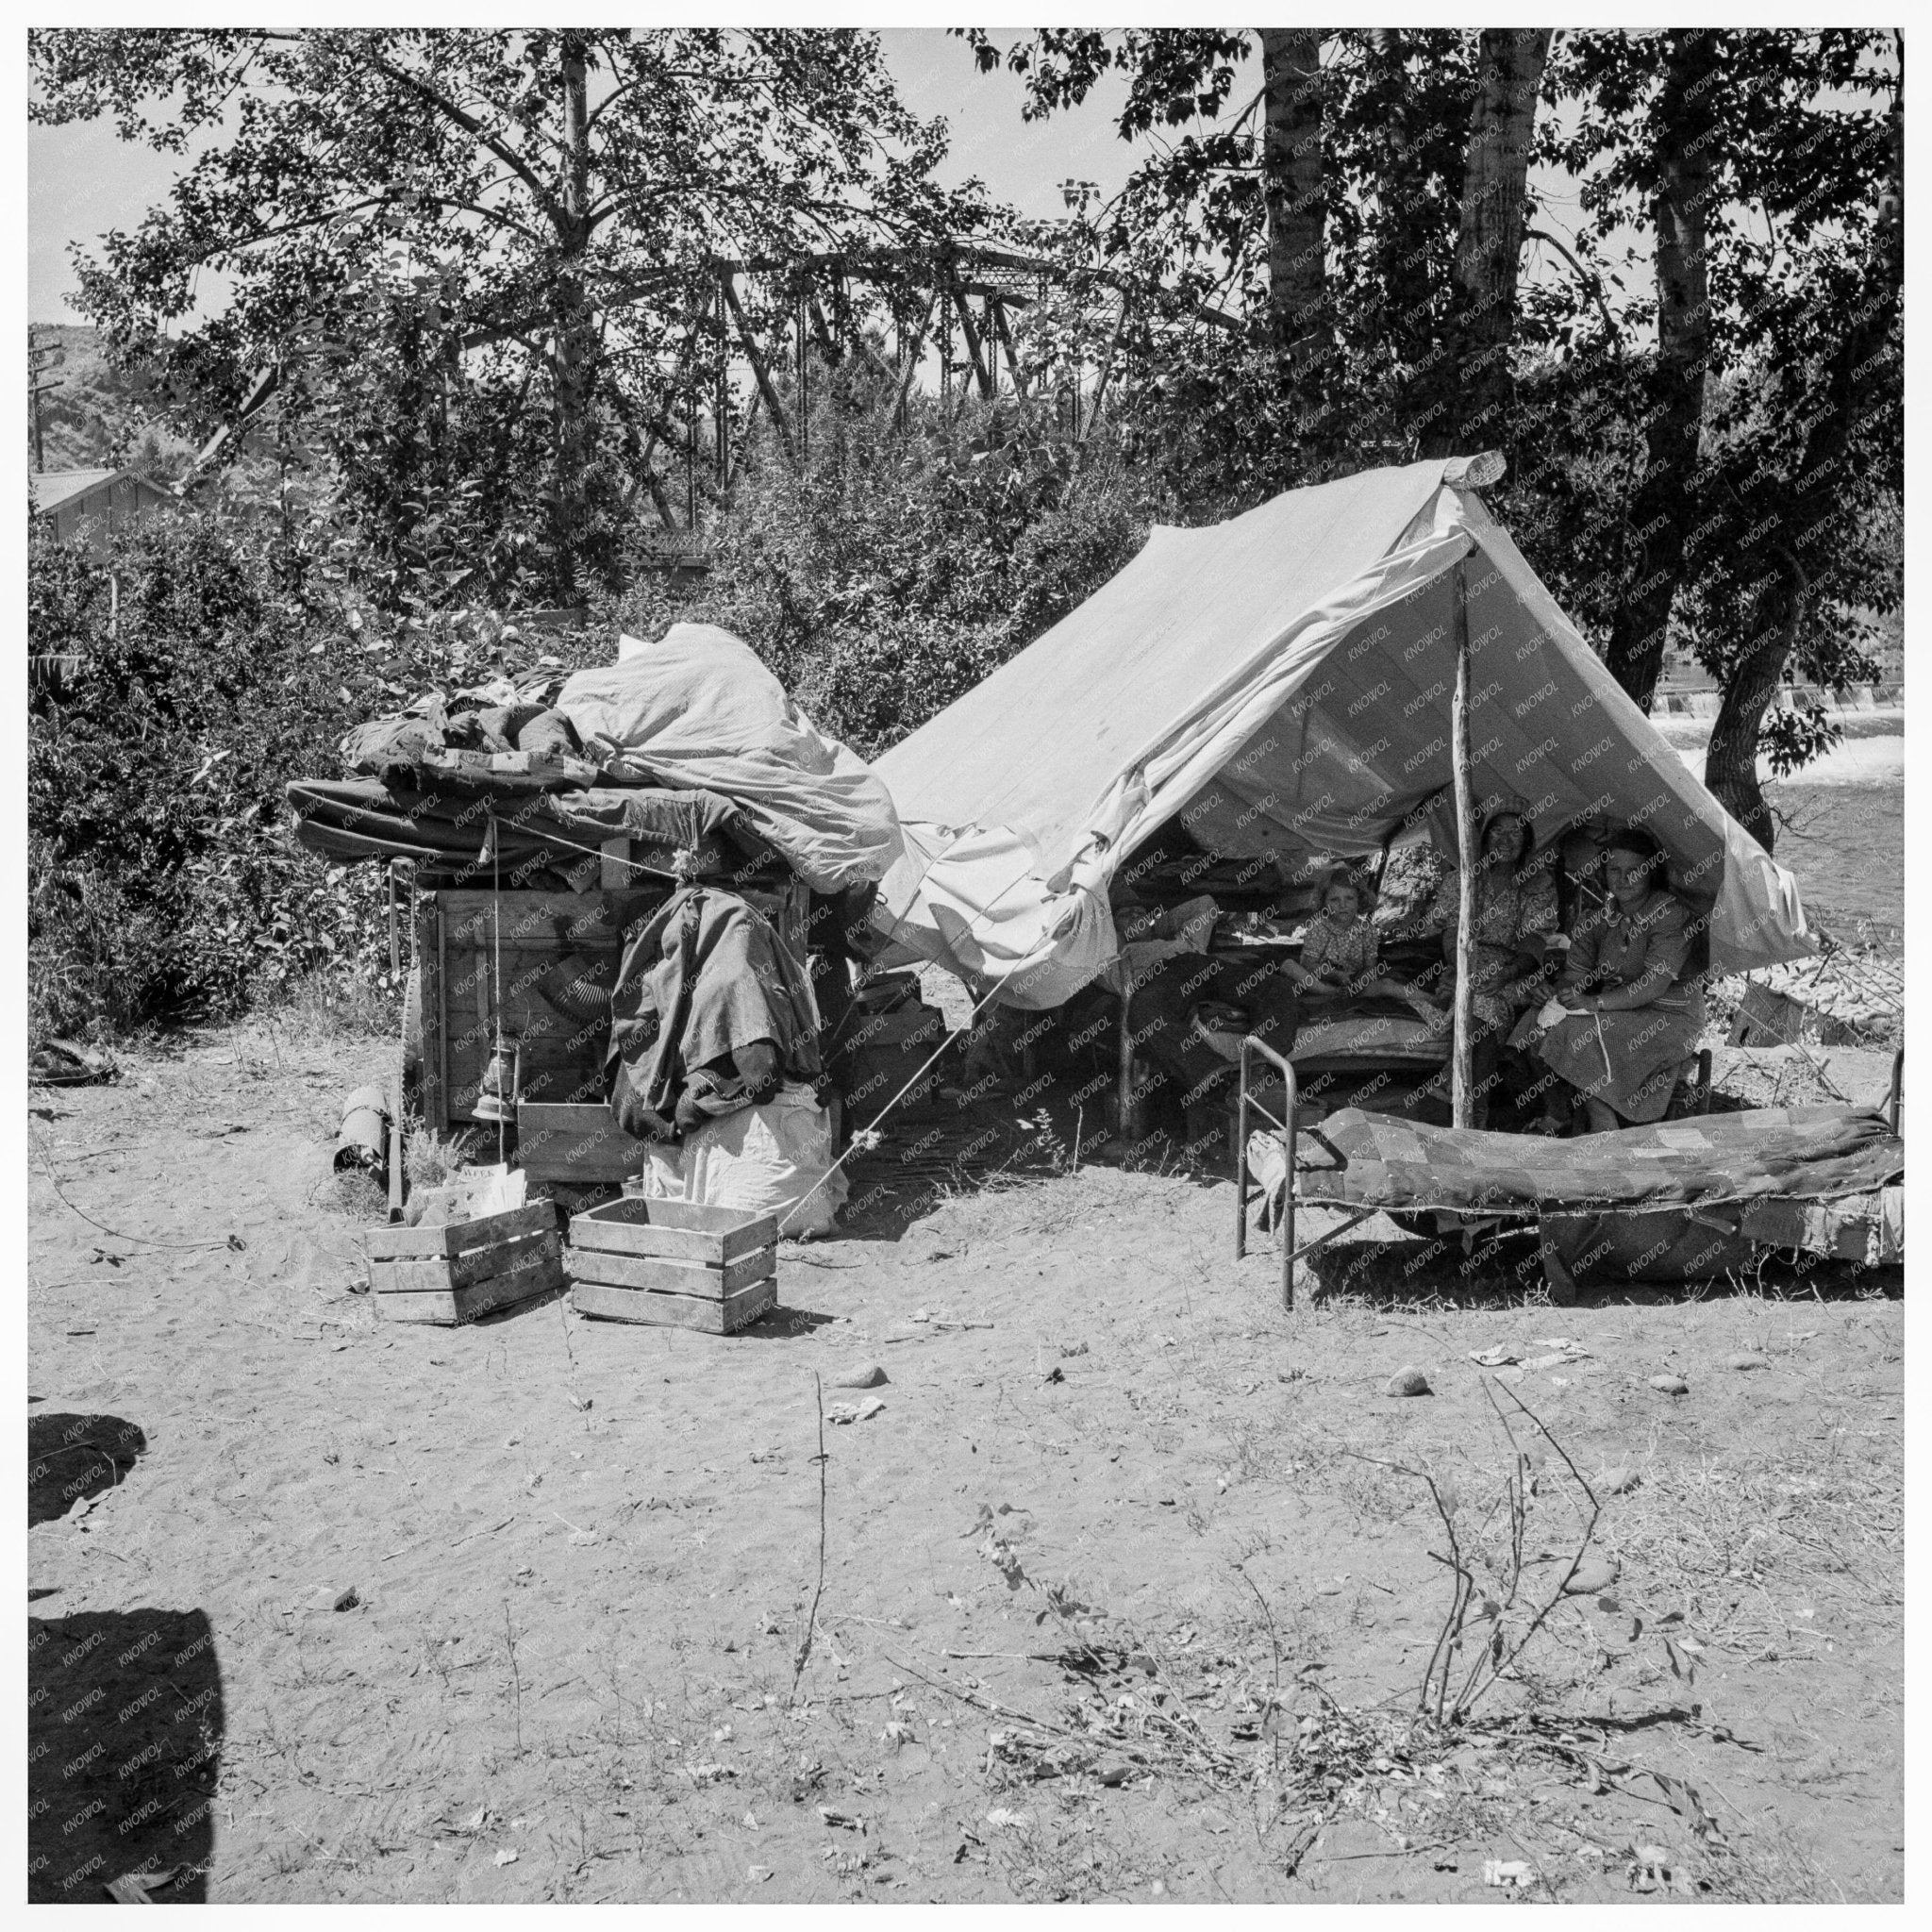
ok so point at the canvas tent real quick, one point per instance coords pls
(1282, 683)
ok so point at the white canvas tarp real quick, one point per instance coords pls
(698, 710)
(1282, 683)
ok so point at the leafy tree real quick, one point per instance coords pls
(1767, 167)
(470, 253)
(1366, 206)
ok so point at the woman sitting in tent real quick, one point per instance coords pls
(1515, 906)
(1629, 1008)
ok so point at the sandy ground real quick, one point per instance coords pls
(1127, 1591)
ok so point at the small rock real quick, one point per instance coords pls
(1114, 1771)
(1618, 1482)
(869, 1377)
(757, 1874)
(1747, 1361)
(1670, 1385)
(330, 1598)
(506, 1857)
(1410, 1381)
(1593, 1574)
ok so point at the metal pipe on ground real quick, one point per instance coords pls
(362, 1140)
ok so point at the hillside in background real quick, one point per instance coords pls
(102, 417)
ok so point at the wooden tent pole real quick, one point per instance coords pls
(1467, 860)
(1125, 1074)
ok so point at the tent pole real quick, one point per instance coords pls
(1467, 860)
(1126, 1060)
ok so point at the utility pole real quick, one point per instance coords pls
(40, 357)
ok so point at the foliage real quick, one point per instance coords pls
(467, 252)
(102, 415)
(891, 571)
(162, 878)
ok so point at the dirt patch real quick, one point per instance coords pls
(1128, 1589)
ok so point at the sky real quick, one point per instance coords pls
(82, 180)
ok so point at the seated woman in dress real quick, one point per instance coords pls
(1632, 1008)
(1515, 908)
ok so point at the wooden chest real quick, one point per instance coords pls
(673, 1263)
(578, 1143)
(484, 960)
(465, 1268)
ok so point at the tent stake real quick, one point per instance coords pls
(1468, 858)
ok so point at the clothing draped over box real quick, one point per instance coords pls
(711, 1013)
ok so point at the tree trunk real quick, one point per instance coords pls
(575, 347)
(1662, 512)
(1488, 245)
(1293, 186)
(1731, 764)
(1730, 761)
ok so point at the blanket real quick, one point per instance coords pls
(1797, 1153)
(697, 709)
(711, 1013)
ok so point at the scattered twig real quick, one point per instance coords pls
(812, 1619)
(490, 1529)
(1274, 1640)
(510, 1638)
(139, 1241)
(990, 1706)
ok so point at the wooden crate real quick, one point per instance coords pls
(465, 1268)
(575, 1142)
(673, 1263)
(470, 972)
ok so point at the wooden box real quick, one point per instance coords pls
(466, 1268)
(481, 957)
(580, 1144)
(673, 1263)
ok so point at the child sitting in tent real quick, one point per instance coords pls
(1340, 959)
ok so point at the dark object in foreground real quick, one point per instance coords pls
(67, 1063)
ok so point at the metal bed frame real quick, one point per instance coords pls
(1286, 1128)
(1246, 1104)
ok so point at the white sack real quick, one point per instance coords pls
(769, 1159)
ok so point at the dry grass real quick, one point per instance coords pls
(430, 1158)
(332, 1005)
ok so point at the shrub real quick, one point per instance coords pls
(163, 877)
(893, 570)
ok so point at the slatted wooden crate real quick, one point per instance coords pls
(673, 1263)
(577, 1143)
(465, 1268)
